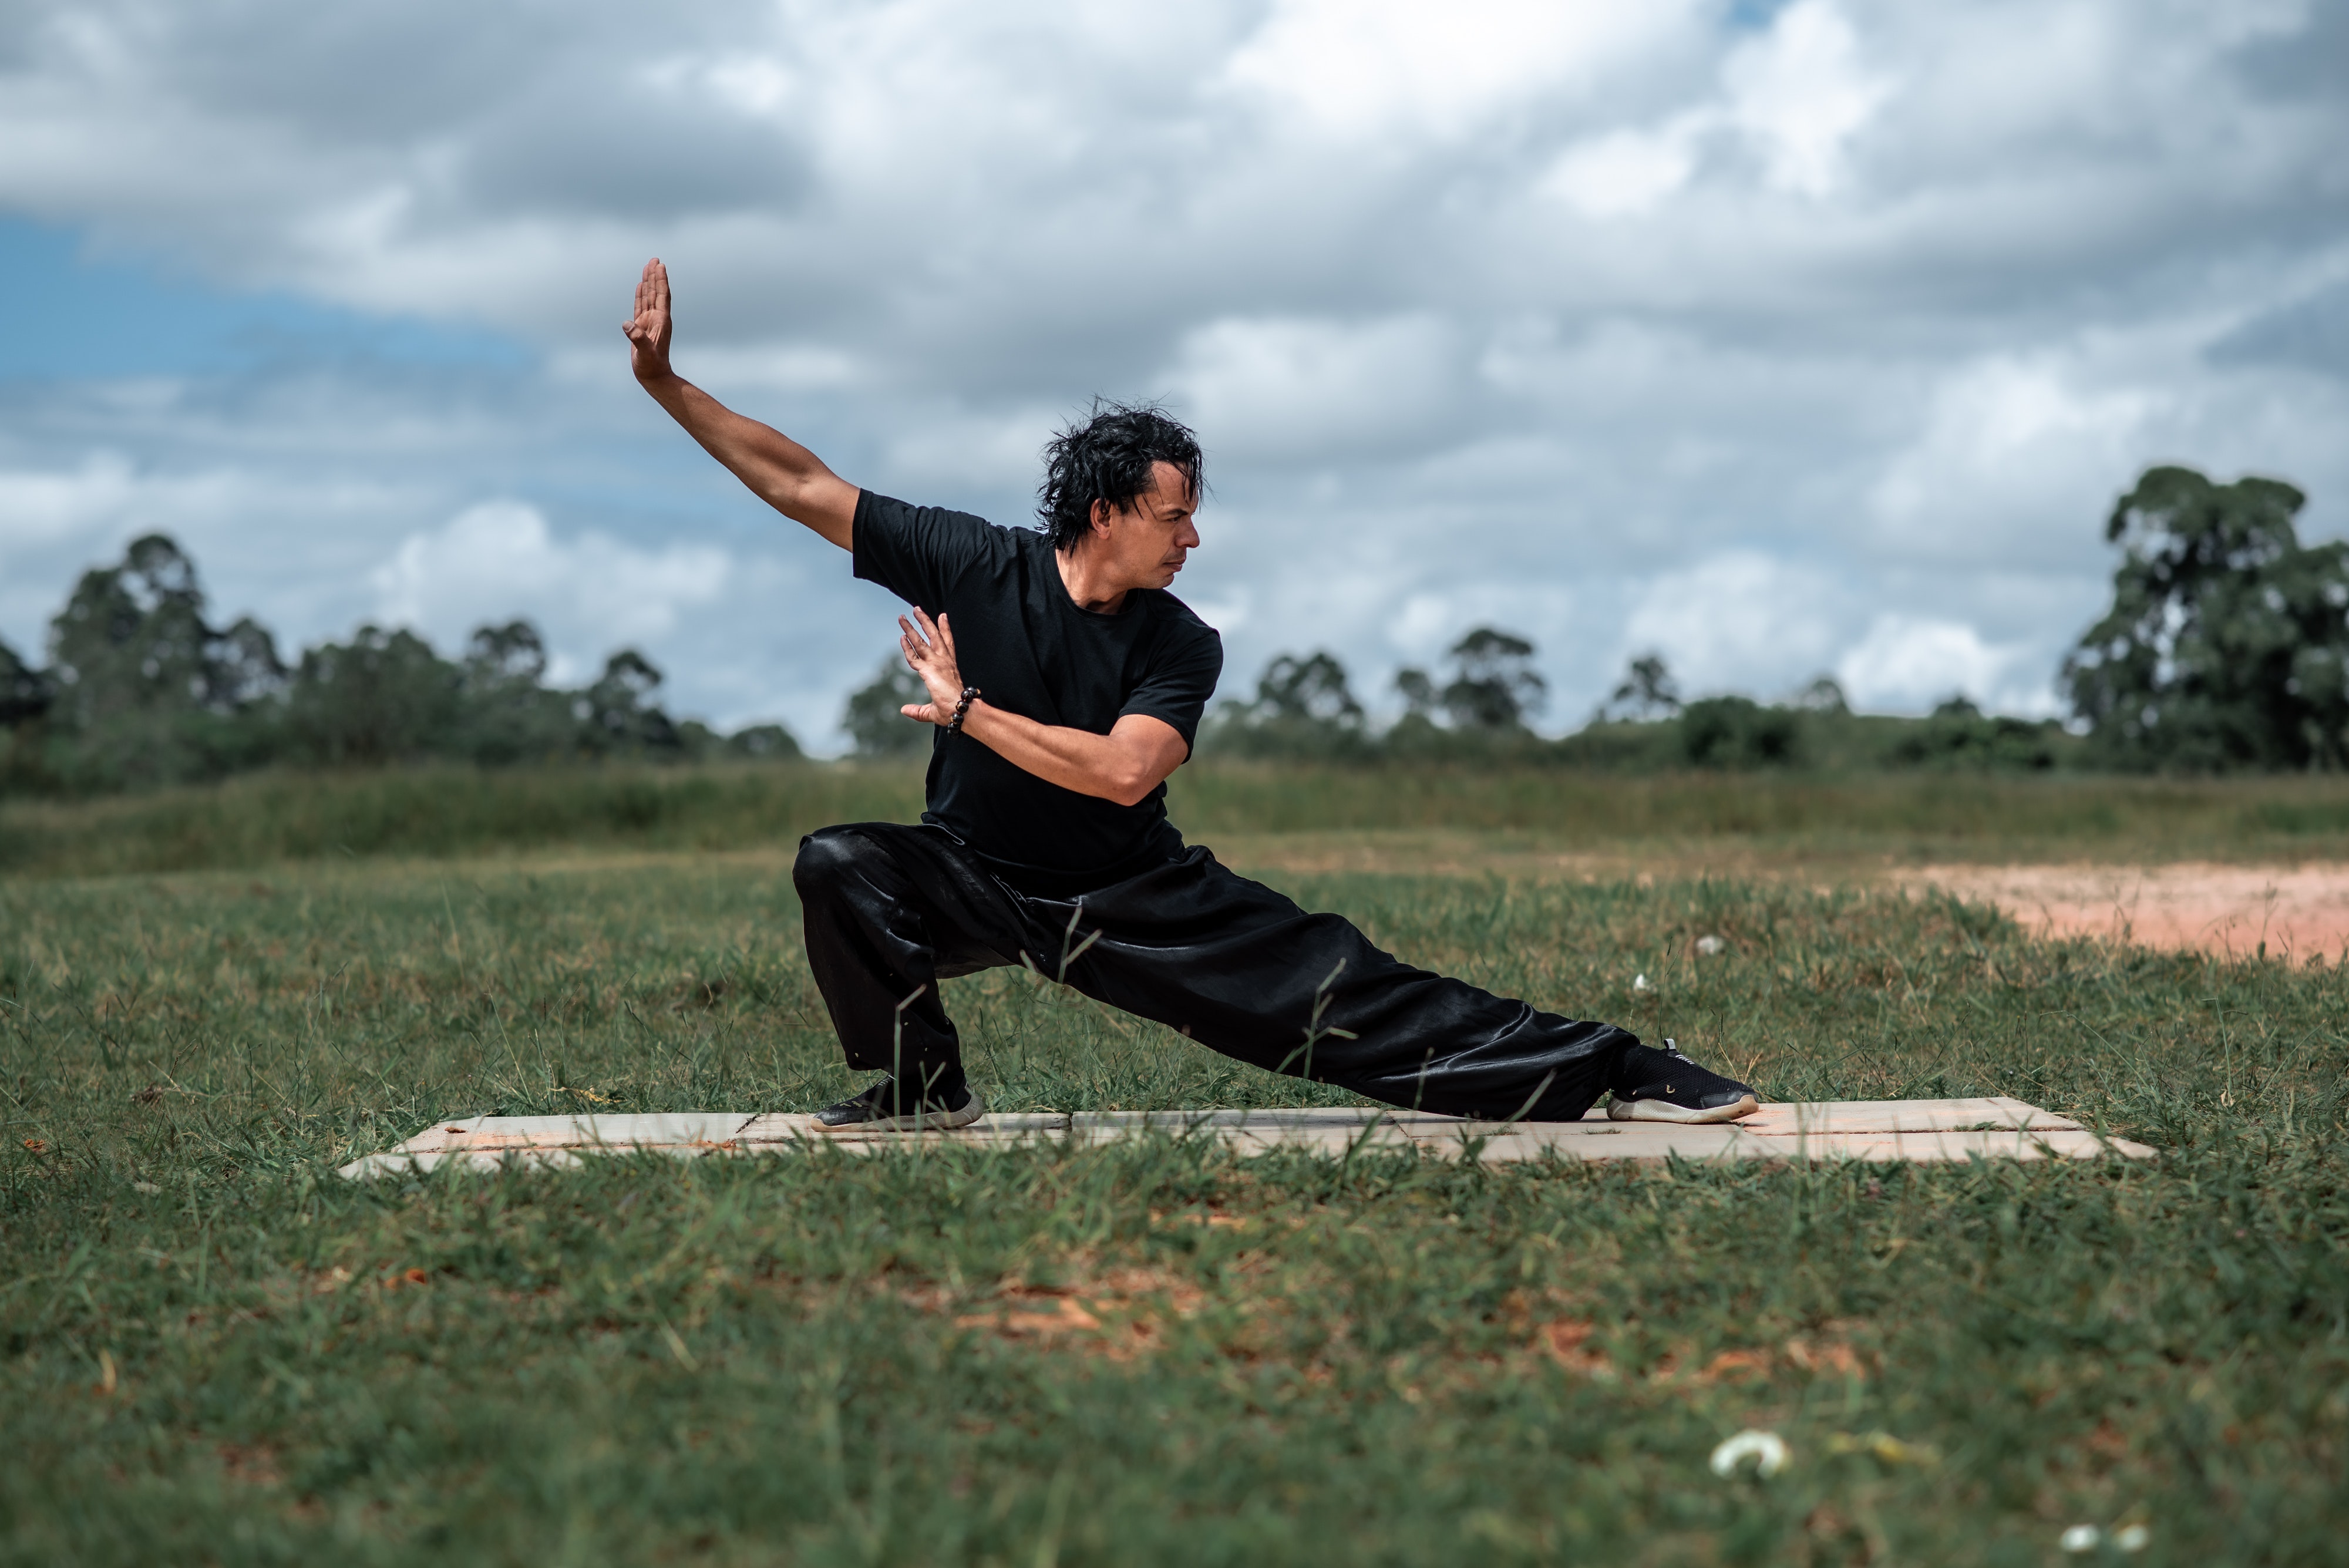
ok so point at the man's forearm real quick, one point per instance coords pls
(777, 469)
(1123, 765)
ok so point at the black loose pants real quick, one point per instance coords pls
(893, 909)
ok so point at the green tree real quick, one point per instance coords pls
(1493, 686)
(1737, 733)
(1958, 736)
(1646, 693)
(872, 719)
(2226, 646)
(146, 690)
(1823, 695)
(383, 696)
(23, 691)
(764, 744)
(508, 714)
(1303, 707)
(619, 715)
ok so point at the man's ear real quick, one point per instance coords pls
(1100, 518)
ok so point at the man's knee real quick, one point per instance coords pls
(830, 857)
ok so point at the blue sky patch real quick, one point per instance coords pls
(106, 317)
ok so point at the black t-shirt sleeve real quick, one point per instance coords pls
(915, 552)
(1178, 682)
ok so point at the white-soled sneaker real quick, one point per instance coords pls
(879, 1108)
(1652, 1085)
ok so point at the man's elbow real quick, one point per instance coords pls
(1130, 782)
(1130, 790)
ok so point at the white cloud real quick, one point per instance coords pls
(1797, 95)
(2014, 457)
(1620, 174)
(1909, 663)
(36, 508)
(1306, 390)
(1802, 91)
(1740, 621)
(589, 596)
(1359, 66)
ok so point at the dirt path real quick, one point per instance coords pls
(2302, 911)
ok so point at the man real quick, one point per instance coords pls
(1065, 683)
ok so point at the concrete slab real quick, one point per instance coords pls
(1015, 1126)
(659, 1130)
(1932, 1131)
(1898, 1115)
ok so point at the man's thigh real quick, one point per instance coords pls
(896, 875)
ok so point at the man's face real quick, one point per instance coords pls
(1146, 545)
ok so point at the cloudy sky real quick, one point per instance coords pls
(1783, 339)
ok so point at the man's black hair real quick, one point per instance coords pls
(1108, 458)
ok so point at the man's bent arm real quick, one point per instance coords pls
(1124, 765)
(777, 469)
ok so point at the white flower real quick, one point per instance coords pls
(1709, 946)
(1766, 1450)
(2080, 1538)
(2132, 1537)
(1639, 982)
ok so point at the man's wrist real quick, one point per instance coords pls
(965, 704)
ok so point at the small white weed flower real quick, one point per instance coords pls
(1709, 946)
(2080, 1538)
(1766, 1450)
(2132, 1537)
(1639, 982)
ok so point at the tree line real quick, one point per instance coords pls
(2226, 649)
(141, 688)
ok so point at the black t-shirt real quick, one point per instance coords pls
(1033, 652)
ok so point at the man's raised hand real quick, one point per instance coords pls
(648, 331)
(930, 653)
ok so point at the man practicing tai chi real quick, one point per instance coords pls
(1065, 684)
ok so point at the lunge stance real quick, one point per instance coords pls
(1065, 683)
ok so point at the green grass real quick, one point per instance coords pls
(212, 1349)
(455, 813)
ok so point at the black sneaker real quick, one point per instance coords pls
(877, 1109)
(1652, 1085)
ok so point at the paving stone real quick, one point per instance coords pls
(1935, 1131)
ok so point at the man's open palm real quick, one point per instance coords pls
(648, 332)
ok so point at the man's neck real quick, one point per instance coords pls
(1089, 581)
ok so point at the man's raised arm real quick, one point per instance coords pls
(778, 471)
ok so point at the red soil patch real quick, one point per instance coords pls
(2301, 912)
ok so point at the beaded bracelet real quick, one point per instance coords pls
(969, 695)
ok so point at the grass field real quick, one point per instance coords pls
(215, 1350)
(1763, 819)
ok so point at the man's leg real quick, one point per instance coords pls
(891, 910)
(1243, 970)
